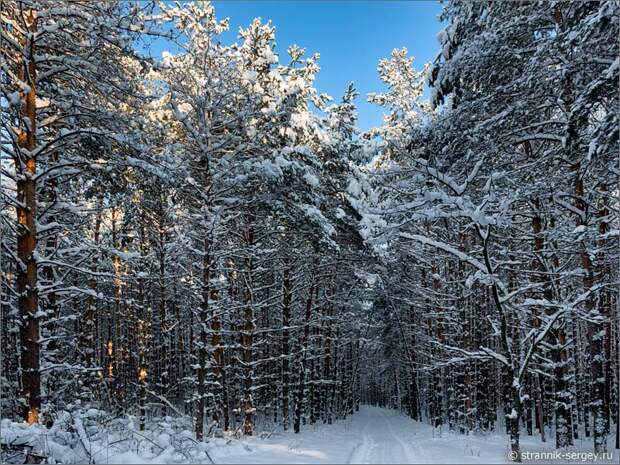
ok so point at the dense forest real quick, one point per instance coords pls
(204, 236)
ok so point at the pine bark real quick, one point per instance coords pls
(26, 275)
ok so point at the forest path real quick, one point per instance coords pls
(378, 435)
(383, 439)
(372, 435)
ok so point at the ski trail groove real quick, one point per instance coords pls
(381, 442)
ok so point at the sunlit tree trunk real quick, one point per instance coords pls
(27, 279)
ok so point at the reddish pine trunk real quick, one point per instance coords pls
(247, 338)
(538, 249)
(27, 281)
(218, 363)
(88, 333)
(594, 330)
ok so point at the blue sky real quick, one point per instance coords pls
(351, 37)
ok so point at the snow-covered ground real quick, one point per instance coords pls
(375, 435)
(372, 435)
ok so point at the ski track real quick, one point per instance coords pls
(380, 442)
(379, 436)
(372, 435)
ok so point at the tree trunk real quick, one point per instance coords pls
(202, 345)
(286, 321)
(218, 359)
(88, 332)
(595, 329)
(247, 338)
(301, 385)
(27, 280)
(163, 324)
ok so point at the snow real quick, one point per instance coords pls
(354, 188)
(250, 75)
(580, 229)
(269, 56)
(14, 98)
(372, 435)
(377, 435)
(311, 180)
(315, 215)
